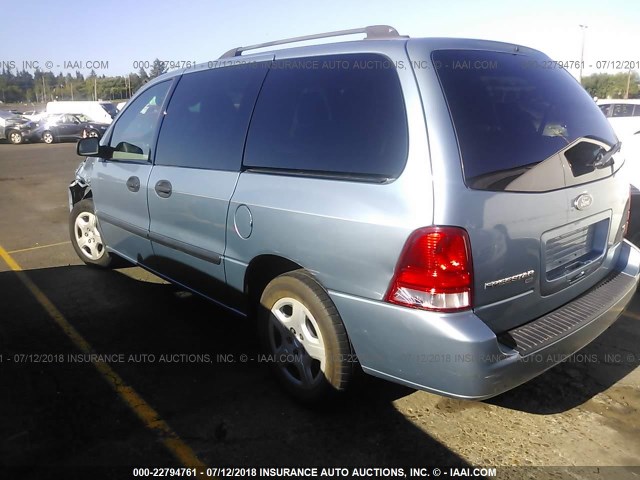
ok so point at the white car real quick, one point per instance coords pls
(103, 112)
(624, 116)
(631, 151)
(34, 115)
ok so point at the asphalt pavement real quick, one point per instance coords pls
(111, 370)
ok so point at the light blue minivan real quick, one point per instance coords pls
(447, 214)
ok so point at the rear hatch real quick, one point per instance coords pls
(541, 192)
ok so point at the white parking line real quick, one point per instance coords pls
(39, 246)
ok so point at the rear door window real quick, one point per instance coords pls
(511, 116)
(208, 116)
(335, 115)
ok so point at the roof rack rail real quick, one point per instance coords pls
(374, 32)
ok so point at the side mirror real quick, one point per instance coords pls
(90, 147)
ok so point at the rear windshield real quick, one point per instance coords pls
(511, 113)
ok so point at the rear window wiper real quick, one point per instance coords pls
(605, 159)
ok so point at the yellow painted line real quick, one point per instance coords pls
(38, 247)
(151, 419)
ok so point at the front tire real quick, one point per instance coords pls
(86, 237)
(305, 340)
(47, 137)
(15, 137)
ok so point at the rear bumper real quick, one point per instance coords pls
(458, 355)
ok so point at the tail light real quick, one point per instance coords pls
(434, 271)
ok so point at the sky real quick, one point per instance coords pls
(118, 36)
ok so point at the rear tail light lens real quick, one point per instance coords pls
(434, 271)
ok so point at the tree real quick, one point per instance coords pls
(143, 75)
(606, 85)
(157, 69)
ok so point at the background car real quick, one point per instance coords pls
(631, 151)
(100, 111)
(68, 126)
(623, 115)
(34, 115)
(15, 128)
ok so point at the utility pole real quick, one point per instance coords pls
(584, 29)
(626, 93)
(95, 88)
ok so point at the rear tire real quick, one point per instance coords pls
(86, 237)
(305, 340)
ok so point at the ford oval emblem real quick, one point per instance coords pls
(583, 201)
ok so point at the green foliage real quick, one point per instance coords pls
(42, 87)
(157, 69)
(606, 85)
(39, 86)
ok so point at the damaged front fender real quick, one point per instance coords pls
(80, 188)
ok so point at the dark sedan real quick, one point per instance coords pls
(68, 126)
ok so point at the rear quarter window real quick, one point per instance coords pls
(335, 114)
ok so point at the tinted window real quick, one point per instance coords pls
(622, 110)
(339, 114)
(510, 115)
(208, 116)
(636, 111)
(606, 109)
(133, 133)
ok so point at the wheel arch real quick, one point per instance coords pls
(261, 270)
